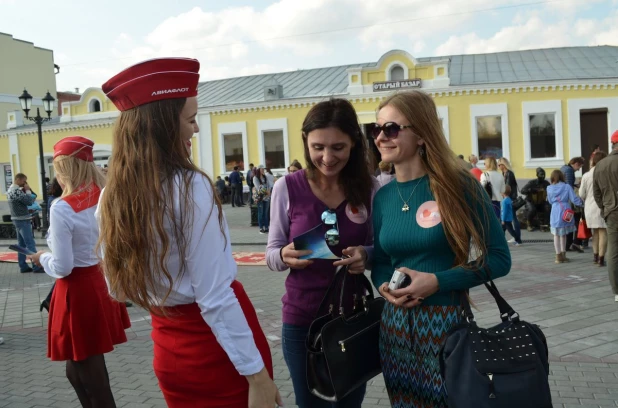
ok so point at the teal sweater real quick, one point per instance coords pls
(416, 240)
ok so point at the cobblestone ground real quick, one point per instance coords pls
(572, 302)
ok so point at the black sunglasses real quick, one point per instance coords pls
(390, 129)
(329, 217)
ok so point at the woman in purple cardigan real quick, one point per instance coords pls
(338, 184)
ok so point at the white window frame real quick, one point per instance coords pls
(537, 108)
(269, 125)
(443, 114)
(3, 187)
(230, 129)
(94, 98)
(493, 109)
(406, 71)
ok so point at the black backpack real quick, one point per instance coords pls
(505, 366)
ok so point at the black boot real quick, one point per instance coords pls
(596, 258)
(601, 261)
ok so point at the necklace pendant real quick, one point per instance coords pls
(405, 207)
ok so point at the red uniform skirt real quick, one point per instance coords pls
(83, 319)
(192, 368)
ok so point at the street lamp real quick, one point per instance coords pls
(48, 104)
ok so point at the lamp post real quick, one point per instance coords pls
(48, 104)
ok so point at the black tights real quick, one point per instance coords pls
(90, 380)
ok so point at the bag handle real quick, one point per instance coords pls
(506, 311)
(328, 302)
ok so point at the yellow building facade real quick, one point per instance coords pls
(538, 108)
(22, 64)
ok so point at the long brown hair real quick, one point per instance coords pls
(148, 158)
(447, 178)
(355, 177)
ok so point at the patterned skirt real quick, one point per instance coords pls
(410, 342)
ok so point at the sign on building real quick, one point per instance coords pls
(390, 85)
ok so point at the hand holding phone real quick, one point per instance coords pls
(399, 280)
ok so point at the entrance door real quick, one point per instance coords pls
(594, 131)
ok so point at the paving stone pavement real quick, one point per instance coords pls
(571, 302)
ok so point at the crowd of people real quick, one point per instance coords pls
(167, 248)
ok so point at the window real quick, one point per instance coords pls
(397, 73)
(273, 143)
(542, 131)
(542, 135)
(94, 105)
(7, 177)
(489, 136)
(233, 148)
(273, 149)
(489, 130)
(101, 160)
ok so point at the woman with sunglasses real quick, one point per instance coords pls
(426, 224)
(334, 194)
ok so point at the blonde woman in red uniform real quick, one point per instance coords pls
(84, 321)
(167, 246)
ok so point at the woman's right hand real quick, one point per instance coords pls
(263, 392)
(290, 256)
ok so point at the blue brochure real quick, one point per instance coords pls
(314, 241)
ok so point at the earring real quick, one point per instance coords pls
(421, 151)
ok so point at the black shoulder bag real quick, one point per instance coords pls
(342, 349)
(505, 366)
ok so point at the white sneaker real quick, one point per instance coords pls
(615, 298)
(2, 340)
(510, 241)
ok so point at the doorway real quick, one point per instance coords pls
(594, 132)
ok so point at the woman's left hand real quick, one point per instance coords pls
(357, 259)
(35, 258)
(423, 285)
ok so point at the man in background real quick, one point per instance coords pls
(605, 189)
(236, 186)
(20, 197)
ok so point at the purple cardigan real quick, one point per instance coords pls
(294, 209)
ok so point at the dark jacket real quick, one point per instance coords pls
(569, 175)
(510, 180)
(536, 191)
(605, 184)
(235, 177)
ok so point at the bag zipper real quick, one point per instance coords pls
(342, 342)
(492, 390)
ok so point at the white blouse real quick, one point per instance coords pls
(72, 238)
(497, 183)
(210, 270)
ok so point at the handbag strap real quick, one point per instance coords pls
(329, 300)
(506, 311)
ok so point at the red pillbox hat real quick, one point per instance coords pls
(615, 137)
(76, 146)
(153, 80)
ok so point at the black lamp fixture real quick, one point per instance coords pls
(48, 104)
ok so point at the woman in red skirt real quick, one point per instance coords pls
(167, 246)
(84, 321)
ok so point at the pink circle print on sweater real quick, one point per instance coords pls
(357, 215)
(428, 215)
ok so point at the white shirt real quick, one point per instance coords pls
(210, 270)
(72, 238)
(497, 183)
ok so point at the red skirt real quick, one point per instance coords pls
(192, 368)
(83, 319)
